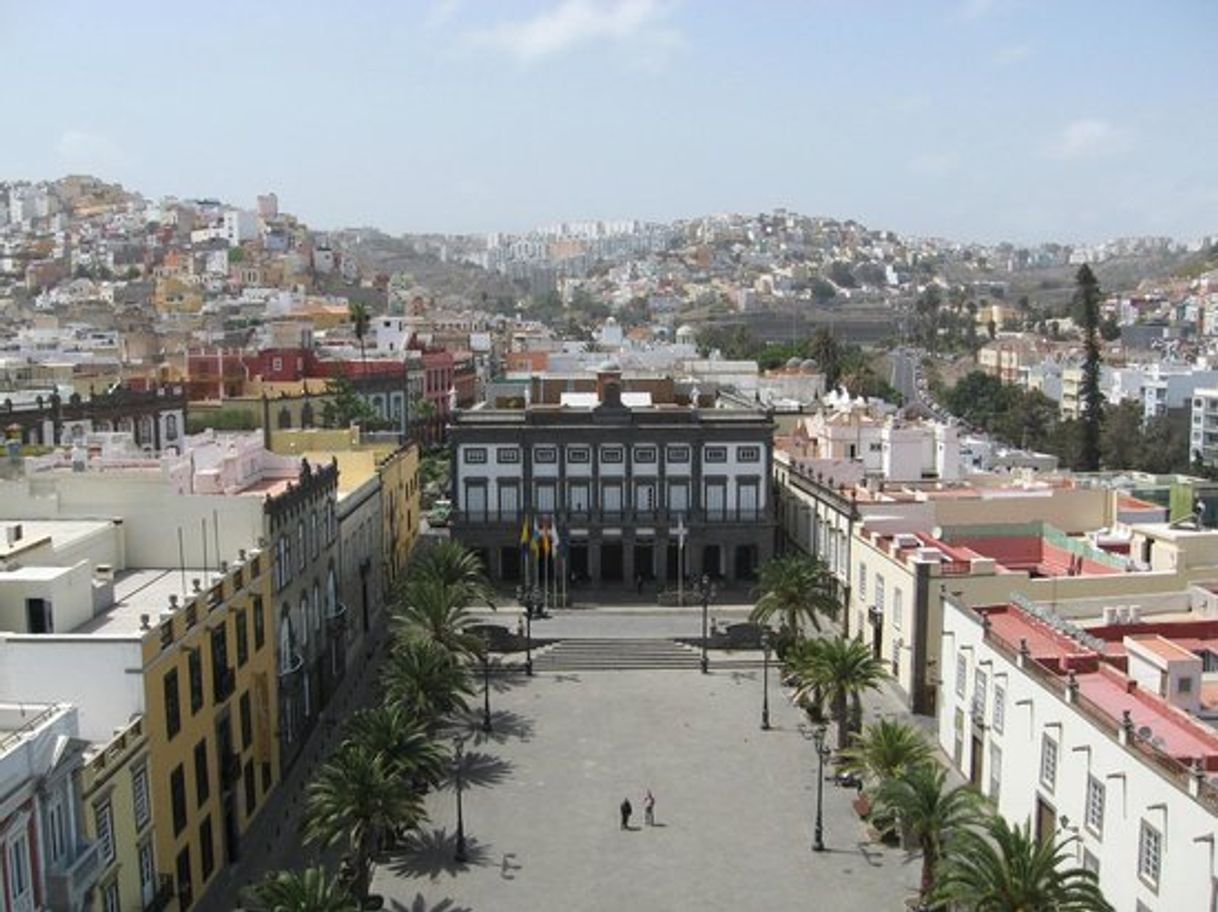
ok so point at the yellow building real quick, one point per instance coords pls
(115, 786)
(209, 680)
(401, 509)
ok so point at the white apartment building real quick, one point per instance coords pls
(1203, 439)
(1168, 388)
(1104, 733)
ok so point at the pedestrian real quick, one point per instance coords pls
(626, 810)
(638, 583)
(649, 809)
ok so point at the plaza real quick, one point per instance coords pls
(735, 805)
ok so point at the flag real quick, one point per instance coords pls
(533, 540)
(524, 535)
(560, 543)
(545, 539)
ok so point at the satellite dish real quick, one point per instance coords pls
(1144, 731)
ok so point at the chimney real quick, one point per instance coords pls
(145, 622)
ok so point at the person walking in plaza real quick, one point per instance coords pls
(626, 810)
(649, 809)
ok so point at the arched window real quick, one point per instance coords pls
(287, 644)
(171, 427)
(306, 415)
(302, 554)
(285, 418)
(313, 534)
(304, 622)
(331, 592)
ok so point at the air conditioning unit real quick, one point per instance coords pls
(1112, 614)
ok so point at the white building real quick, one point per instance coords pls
(1203, 439)
(1040, 716)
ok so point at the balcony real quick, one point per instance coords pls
(163, 895)
(69, 881)
(336, 620)
(225, 680)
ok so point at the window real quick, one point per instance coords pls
(748, 454)
(147, 863)
(1150, 854)
(185, 891)
(1000, 708)
(1095, 806)
(19, 879)
(57, 829)
(259, 623)
(579, 455)
(110, 897)
(247, 725)
(507, 455)
(202, 782)
(961, 673)
(1048, 762)
(474, 455)
(1184, 685)
(207, 849)
(545, 455)
(251, 789)
(301, 553)
(677, 454)
(243, 645)
(195, 675)
(980, 681)
(645, 455)
(141, 809)
(898, 609)
(879, 594)
(612, 455)
(173, 711)
(862, 580)
(714, 454)
(314, 536)
(103, 815)
(995, 772)
(177, 797)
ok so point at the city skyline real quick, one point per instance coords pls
(454, 117)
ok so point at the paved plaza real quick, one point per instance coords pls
(734, 812)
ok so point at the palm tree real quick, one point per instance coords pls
(795, 588)
(426, 681)
(840, 670)
(798, 660)
(434, 610)
(886, 750)
(361, 319)
(357, 798)
(918, 803)
(412, 753)
(1006, 869)
(453, 564)
(308, 890)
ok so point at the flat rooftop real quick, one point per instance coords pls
(138, 592)
(61, 532)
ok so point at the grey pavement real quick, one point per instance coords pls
(734, 806)
(619, 621)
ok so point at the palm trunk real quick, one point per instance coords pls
(840, 714)
(929, 861)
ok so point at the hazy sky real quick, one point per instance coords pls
(972, 119)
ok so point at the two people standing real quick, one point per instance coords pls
(649, 810)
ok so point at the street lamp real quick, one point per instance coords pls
(530, 598)
(458, 759)
(707, 591)
(822, 751)
(765, 680)
(486, 684)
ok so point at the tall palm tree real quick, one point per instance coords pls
(886, 749)
(1006, 869)
(307, 890)
(357, 799)
(926, 811)
(798, 660)
(413, 755)
(426, 681)
(361, 320)
(795, 588)
(455, 565)
(840, 670)
(431, 609)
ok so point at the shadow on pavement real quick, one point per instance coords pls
(505, 725)
(479, 769)
(420, 904)
(430, 854)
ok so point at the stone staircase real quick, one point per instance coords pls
(626, 654)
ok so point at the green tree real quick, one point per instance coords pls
(344, 406)
(426, 680)
(302, 890)
(1121, 440)
(436, 611)
(1006, 869)
(1087, 304)
(453, 564)
(887, 749)
(840, 671)
(357, 799)
(361, 321)
(796, 589)
(412, 754)
(1110, 330)
(919, 803)
(828, 354)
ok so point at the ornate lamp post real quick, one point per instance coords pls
(458, 759)
(822, 751)
(486, 685)
(530, 598)
(707, 590)
(765, 680)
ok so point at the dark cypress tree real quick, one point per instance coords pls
(1087, 305)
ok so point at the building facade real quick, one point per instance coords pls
(624, 486)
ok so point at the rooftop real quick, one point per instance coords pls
(140, 592)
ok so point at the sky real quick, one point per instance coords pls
(976, 120)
